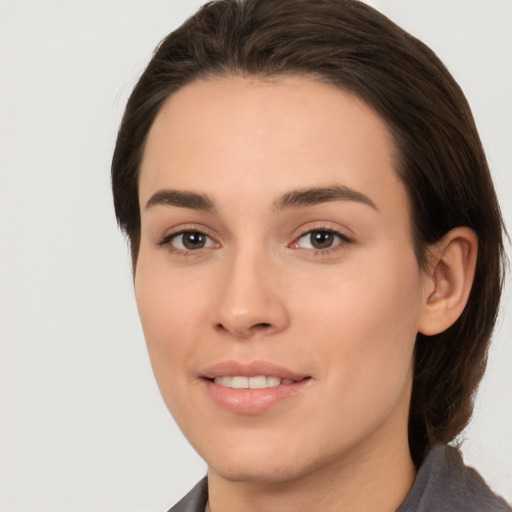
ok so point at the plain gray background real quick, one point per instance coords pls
(82, 425)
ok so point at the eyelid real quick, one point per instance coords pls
(320, 225)
(337, 230)
(165, 240)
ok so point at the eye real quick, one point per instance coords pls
(190, 241)
(320, 239)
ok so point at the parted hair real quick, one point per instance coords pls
(440, 158)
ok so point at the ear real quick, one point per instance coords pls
(448, 282)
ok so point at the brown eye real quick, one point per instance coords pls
(191, 241)
(321, 240)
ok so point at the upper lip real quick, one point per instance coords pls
(252, 369)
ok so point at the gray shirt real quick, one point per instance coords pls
(443, 484)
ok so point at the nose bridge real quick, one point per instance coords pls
(250, 300)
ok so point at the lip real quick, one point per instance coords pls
(252, 369)
(252, 401)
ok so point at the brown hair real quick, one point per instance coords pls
(440, 156)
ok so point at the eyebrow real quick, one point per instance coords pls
(313, 196)
(181, 199)
(294, 199)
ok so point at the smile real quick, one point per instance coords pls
(253, 388)
(257, 382)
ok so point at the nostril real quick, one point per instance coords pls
(261, 325)
(244, 330)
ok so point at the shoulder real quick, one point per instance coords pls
(195, 500)
(445, 484)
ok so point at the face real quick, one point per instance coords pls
(276, 281)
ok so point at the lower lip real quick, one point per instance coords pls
(253, 401)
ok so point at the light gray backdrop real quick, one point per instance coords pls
(82, 425)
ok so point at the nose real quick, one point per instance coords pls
(251, 300)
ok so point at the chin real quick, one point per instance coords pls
(266, 466)
(247, 471)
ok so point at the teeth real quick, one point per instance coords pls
(259, 382)
(240, 382)
(273, 381)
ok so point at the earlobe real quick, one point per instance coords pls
(448, 283)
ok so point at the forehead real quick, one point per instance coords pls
(243, 133)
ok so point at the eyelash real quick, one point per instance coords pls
(343, 240)
(166, 242)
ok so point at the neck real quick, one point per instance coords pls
(379, 480)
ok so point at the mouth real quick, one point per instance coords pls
(252, 388)
(258, 382)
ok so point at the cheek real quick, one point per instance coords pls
(169, 309)
(365, 322)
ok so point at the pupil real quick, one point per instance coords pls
(321, 239)
(194, 240)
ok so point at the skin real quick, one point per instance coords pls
(345, 315)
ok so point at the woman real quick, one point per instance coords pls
(317, 255)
